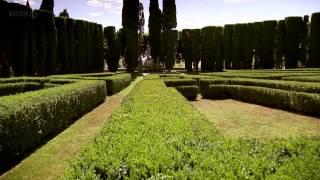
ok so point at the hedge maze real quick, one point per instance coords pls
(32, 110)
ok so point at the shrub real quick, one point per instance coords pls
(295, 101)
(113, 50)
(62, 46)
(303, 78)
(207, 45)
(187, 49)
(314, 46)
(280, 42)
(218, 37)
(196, 47)
(180, 82)
(236, 46)
(268, 41)
(189, 92)
(28, 119)
(227, 42)
(257, 42)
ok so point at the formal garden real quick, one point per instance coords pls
(77, 100)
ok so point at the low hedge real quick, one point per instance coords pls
(275, 84)
(303, 78)
(20, 87)
(114, 83)
(296, 101)
(189, 92)
(179, 82)
(28, 119)
(24, 79)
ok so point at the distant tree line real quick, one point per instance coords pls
(38, 43)
(293, 42)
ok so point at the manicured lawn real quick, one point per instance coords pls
(236, 119)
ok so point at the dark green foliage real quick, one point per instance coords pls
(130, 14)
(113, 48)
(179, 82)
(247, 46)
(63, 56)
(169, 15)
(71, 44)
(187, 49)
(268, 42)
(227, 42)
(293, 40)
(13, 88)
(64, 14)
(207, 47)
(314, 47)
(196, 47)
(280, 41)
(189, 92)
(296, 101)
(47, 5)
(155, 30)
(28, 119)
(99, 49)
(218, 38)
(237, 38)
(305, 41)
(79, 31)
(257, 42)
(169, 39)
(303, 78)
(131, 51)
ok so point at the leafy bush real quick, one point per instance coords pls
(303, 78)
(28, 119)
(155, 134)
(296, 101)
(179, 82)
(189, 92)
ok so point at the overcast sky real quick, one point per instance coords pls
(191, 13)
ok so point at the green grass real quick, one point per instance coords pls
(235, 119)
(50, 161)
(156, 134)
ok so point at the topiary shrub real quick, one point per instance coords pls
(189, 92)
(314, 52)
(293, 40)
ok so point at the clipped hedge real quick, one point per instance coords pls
(275, 84)
(296, 101)
(179, 82)
(314, 45)
(303, 78)
(26, 120)
(294, 32)
(13, 88)
(227, 42)
(189, 92)
(268, 41)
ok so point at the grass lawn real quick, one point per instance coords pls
(236, 119)
(50, 161)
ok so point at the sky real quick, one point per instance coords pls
(190, 13)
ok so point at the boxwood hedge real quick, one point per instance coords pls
(189, 92)
(26, 120)
(179, 82)
(13, 88)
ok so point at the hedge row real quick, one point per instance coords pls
(303, 78)
(14, 88)
(189, 92)
(275, 84)
(155, 134)
(37, 43)
(113, 48)
(114, 82)
(179, 82)
(28, 119)
(296, 101)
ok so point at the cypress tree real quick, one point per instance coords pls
(304, 43)
(268, 41)
(293, 40)
(314, 47)
(219, 49)
(237, 46)
(47, 5)
(4, 48)
(32, 50)
(155, 30)
(51, 33)
(169, 46)
(79, 46)
(113, 48)
(62, 46)
(71, 44)
(207, 47)
(257, 43)
(187, 49)
(169, 15)
(280, 42)
(247, 45)
(196, 47)
(227, 41)
(130, 23)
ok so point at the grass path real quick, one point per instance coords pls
(236, 119)
(50, 161)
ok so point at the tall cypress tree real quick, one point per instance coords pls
(169, 15)
(155, 30)
(314, 53)
(47, 5)
(130, 23)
